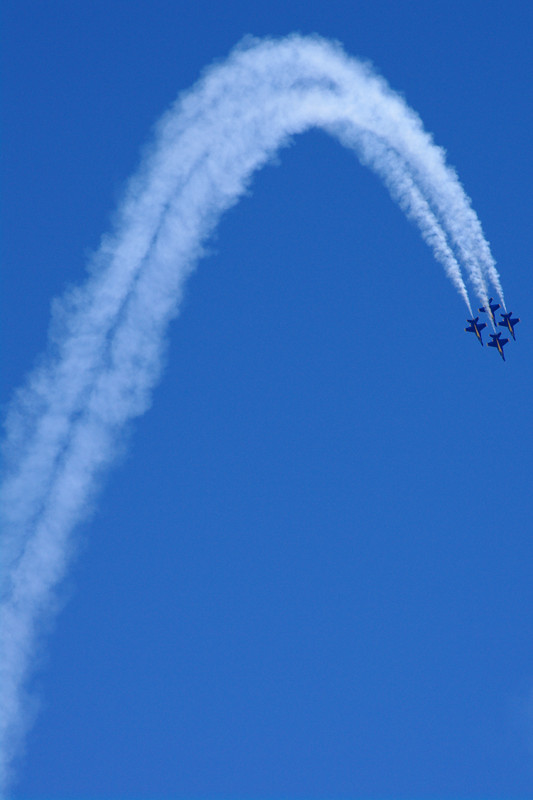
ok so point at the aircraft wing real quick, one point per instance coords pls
(497, 343)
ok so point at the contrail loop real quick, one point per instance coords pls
(105, 354)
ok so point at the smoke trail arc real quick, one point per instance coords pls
(106, 358)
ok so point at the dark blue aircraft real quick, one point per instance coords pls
(498, 343)
(509, 323)
(491, 309)
(476, 327)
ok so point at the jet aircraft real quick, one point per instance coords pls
(498, 343)
(491, 309)
(476, 327)
(509, 323)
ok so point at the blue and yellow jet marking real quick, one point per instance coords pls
(492, 307)
(509, 323)
(498, 343)
(476, 327)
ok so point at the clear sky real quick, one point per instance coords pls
(309, 575)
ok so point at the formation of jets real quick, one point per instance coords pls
(507, 321)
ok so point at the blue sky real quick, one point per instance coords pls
(309, 574)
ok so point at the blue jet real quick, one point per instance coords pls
(491, 309)
(476, 327)
(498, 343)
(509, 323)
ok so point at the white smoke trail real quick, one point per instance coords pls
(105, 351)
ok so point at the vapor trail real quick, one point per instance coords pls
(105, 353)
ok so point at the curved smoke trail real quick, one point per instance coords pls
(104, 357)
